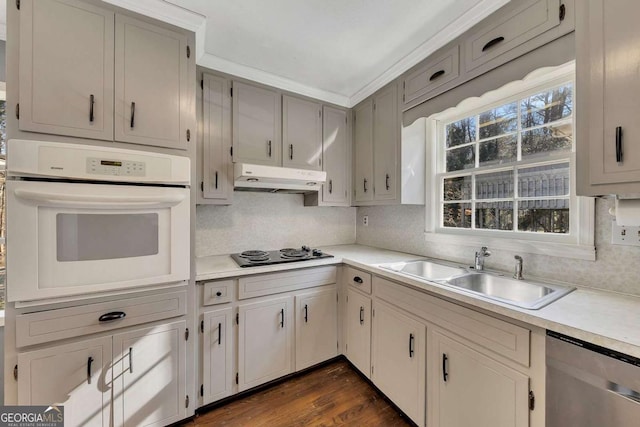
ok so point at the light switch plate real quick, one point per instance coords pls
(624, 235)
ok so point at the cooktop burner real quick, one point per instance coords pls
(254, 258)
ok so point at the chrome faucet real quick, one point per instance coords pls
(518, 273)
(480, 256)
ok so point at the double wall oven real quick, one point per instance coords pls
(84, 220)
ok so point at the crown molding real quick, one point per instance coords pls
(164, 11)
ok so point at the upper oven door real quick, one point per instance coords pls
(77, 238)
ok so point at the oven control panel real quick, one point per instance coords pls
(97, 166)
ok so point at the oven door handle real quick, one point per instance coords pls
(97, 201)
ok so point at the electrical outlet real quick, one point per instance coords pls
(624, 235)
(365, 220)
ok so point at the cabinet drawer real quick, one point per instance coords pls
(53, 325)
(217, 292)
(509, 31)
(268, 284)
(498, 336)
(358, 279)
(424, 82)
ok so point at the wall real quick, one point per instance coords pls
(270, 221)
(401, 228)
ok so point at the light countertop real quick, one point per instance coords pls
(604, 318)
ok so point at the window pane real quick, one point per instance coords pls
(3, 128)
(555, 138)
(456, 215)
(547, 107)
(540, 181)
(499, 121)
(497, 185)
(499, 150)
(461, 132)
(461, 158)
(457, 188)
(494, 215)
(544, 216)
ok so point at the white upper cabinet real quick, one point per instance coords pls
(66, 68)
(257, 125)
(608, 82)
(301, 133)
(151, 80)
(363, 152)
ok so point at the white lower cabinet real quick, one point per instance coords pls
(472, 389)
(316, 327)
(217, 355)
(265, 340)
(358, 331)
(398, 359)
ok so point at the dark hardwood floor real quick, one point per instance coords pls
(332, 395)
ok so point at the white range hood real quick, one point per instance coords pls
(250, 177)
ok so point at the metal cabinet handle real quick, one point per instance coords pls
(216, 180)
(91, 102)
(358, 280)
(269, 148)
(114, 315)
(282, 318)
(492, 43)
(306, 313)
(411, 351)
(131, 360)
(219, 333)
(386, 182)
(89, 362)
(290, 151)
(619, 144)
(445, 374)
(330, 186)
(365, 185)
(218, 294)
(361, 315)
(133, 113)
(436, 75)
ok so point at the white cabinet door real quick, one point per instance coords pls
(257, 126)
(217, 355)
(335, 148)
(66, 68)
(72, 375)
(301, 133)
(316, 327)
(151, 85)
(474, 390)
(217, 170)
(398, 359)
(363, 152)
(358, 328)
(149, 373)
(386, 130)
(265, 341)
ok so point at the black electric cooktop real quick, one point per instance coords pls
(256, 258)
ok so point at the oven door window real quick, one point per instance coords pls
(90, 237)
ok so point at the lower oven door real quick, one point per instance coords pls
(77, 238)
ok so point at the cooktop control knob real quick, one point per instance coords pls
(317, 252)
(306, 248)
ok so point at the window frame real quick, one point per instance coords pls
(578, 243)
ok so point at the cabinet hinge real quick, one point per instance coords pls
(532, 400)
(186, 401)
(346, 347)
(15, 368)
(237, 318)
(202, 326)
(18, 111)
(371, 369)
(186, 334)
(202, 390)
(188, 135)
(374, 106)
(320, 162)
(202, 84)
(202, 186)
(18, 4)
(562, 12)
(403, 97)
(231, 91)
(374, 313)
(319, 113)
(236, 378)
(188, 51)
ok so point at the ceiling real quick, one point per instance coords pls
(339, 51)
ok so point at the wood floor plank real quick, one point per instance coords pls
(333, 395)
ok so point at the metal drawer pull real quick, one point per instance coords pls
(386, 182)
(624, 392)
(133, 113)
(361, 315)
(269, 148)
(131, 360)
(89, 362)
(282, 318)
(411, 339)
(306, 313)
(492, 43)
(445, 374)
(619, 144)
(216, 180)
(114, 315)
(219, 294)
(219, 333)
(91, 102)
(290, 151)
(436, 75)
(365, 185)
(358, 280)
(330, 186)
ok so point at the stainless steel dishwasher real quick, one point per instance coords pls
(589, 385)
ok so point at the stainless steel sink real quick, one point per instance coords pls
(521, 293)
(427, 270)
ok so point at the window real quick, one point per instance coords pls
(505, 165)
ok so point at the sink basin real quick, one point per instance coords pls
(426, 270)
(521, 293)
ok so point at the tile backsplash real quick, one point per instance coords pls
(617, 268)
(270, 221)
